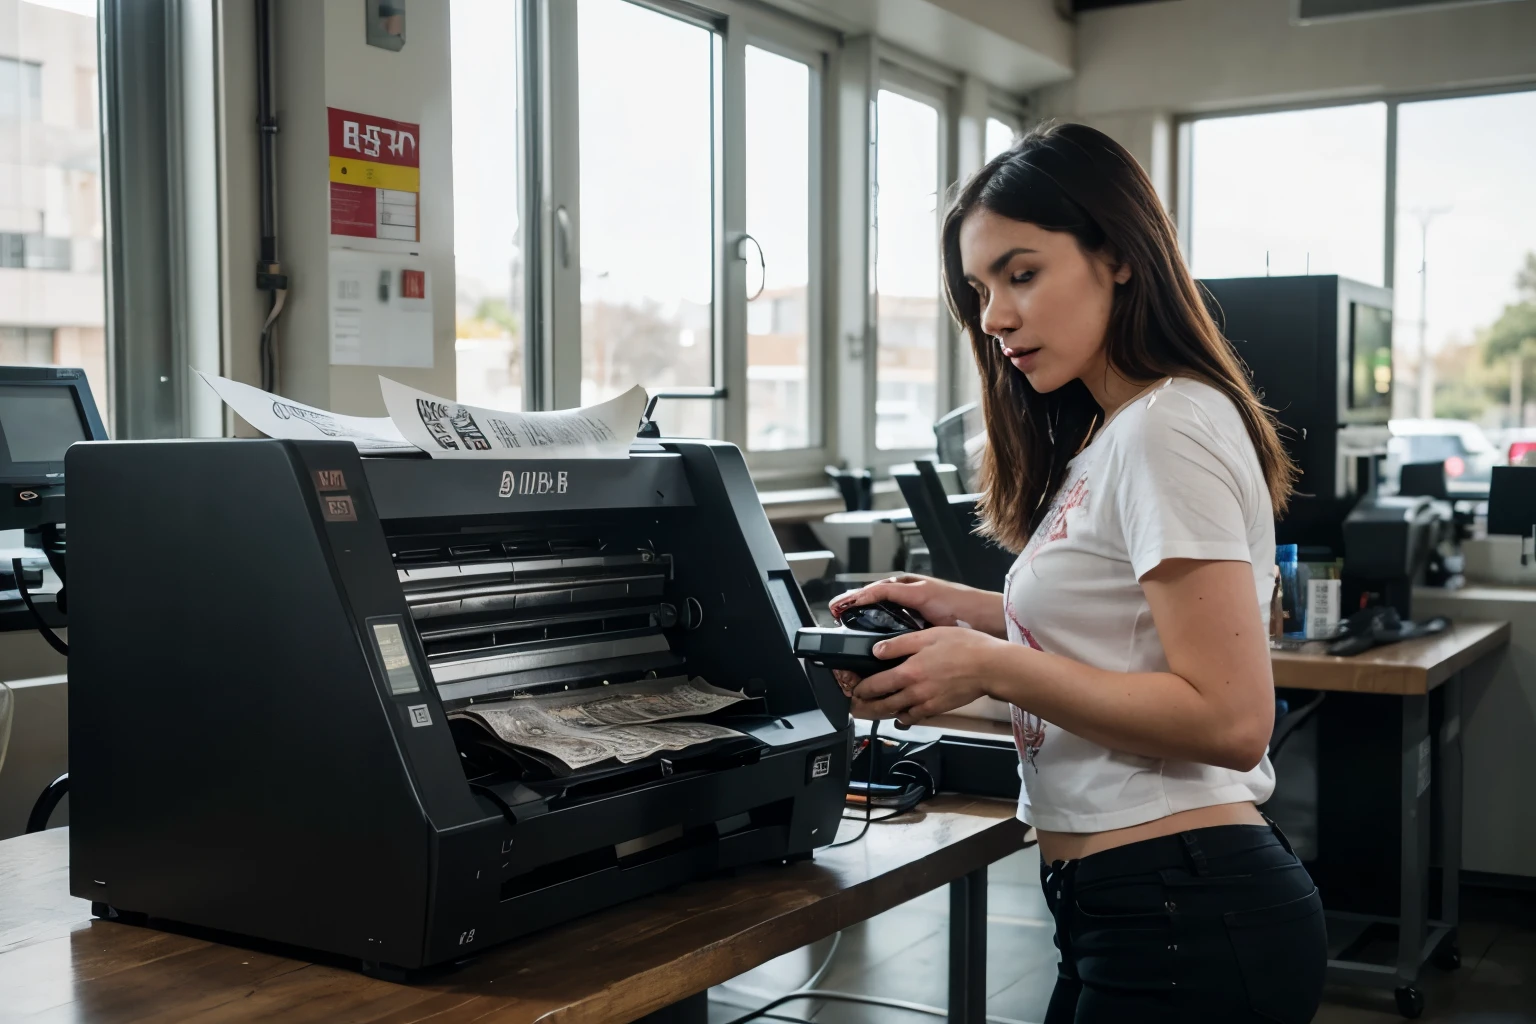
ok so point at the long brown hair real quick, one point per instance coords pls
(1069, 177)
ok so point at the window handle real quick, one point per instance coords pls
(563, 231)
(741, 254)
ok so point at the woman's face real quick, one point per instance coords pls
(1043, 298)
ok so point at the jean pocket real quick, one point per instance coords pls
(1282, 952)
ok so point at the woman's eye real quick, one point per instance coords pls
(1023, 277)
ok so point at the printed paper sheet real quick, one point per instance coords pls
(288, 420)
(445, 429)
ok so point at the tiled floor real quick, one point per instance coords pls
(903, 955)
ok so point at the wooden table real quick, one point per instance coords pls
(656, 955)
(1406, 668)
(1414, 672)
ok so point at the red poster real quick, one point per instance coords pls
(375, 173)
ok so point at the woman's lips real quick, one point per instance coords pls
(1022, 358)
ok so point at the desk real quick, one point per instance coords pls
(1427, 776)
(656, 955)
(1402, 669)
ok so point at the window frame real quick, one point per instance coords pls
(553, 274)
(920, 80)
(1183, 127)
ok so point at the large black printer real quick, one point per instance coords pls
(253, 749)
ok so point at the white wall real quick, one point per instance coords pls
(1138, 66)
(322, 59)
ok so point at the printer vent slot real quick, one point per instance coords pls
(498, 615)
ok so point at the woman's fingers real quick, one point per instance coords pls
(846, 679)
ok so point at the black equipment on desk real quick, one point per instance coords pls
(1320, 352)
(43, 410)
(1388, 541)
(270, 634)
(1512, 506)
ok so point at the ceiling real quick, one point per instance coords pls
(1079, 6)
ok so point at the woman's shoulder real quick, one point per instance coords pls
(1181, 405)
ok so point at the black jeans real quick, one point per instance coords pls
(1218, 924)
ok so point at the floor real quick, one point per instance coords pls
(903, 955)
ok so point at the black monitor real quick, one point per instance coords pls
(43, 410)
(1512, 500)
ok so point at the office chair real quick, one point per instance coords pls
(950, 432)
(947, 525)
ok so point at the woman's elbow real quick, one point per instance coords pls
(1243, 745)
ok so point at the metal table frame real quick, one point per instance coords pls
(967, 961)
(1419, 938)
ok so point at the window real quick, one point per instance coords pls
(51, 284)
(488, 256)
(1465, 280)
(778, 218)
(647, 89)
(1299, 192)
(21, 90)
(1000, 136)
(907, 311)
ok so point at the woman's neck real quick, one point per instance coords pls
(1111, 389)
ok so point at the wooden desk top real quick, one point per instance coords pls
(1402, 669)
(58, 963)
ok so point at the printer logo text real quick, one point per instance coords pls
(532, 482)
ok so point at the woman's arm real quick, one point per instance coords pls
(1215, 705)
(941, 602)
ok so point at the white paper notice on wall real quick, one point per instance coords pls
(445, 429)
(380, 309)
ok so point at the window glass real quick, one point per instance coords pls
(1465, 280)
(1299, 192)
(778, 183)
(999, 136)
(487, 237)
(907, 191)
(647, 187)
(52, 303)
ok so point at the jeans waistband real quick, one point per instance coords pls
(1189, 850)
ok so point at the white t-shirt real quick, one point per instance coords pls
(1172, 475)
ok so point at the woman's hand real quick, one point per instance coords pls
(940, 602)
(946, 668)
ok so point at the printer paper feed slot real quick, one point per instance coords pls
(619, 723)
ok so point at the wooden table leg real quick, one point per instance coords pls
(968, 948)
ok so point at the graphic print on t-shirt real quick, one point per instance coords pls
(1054, 526)
(1028, 729)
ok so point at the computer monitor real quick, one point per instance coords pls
(43, 410)
(1370, 358)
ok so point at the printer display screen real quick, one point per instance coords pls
(40, 422)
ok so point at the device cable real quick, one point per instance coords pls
(869, 781)
(54, 640)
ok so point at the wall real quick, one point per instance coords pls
(322, 59)
(1138, 66)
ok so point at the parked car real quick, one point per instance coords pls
(1460, 445)
(1518, 445)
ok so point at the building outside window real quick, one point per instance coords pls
(52, 308)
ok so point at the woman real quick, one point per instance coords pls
(1130, 464)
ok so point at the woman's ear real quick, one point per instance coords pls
(1122, 273)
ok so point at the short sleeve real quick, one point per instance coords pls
(1179, 491)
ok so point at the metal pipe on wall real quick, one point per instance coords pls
(269, 275)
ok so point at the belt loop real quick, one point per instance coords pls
(1194, 853)
(1284, 842)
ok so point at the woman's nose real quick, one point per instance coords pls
(1000, 316)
